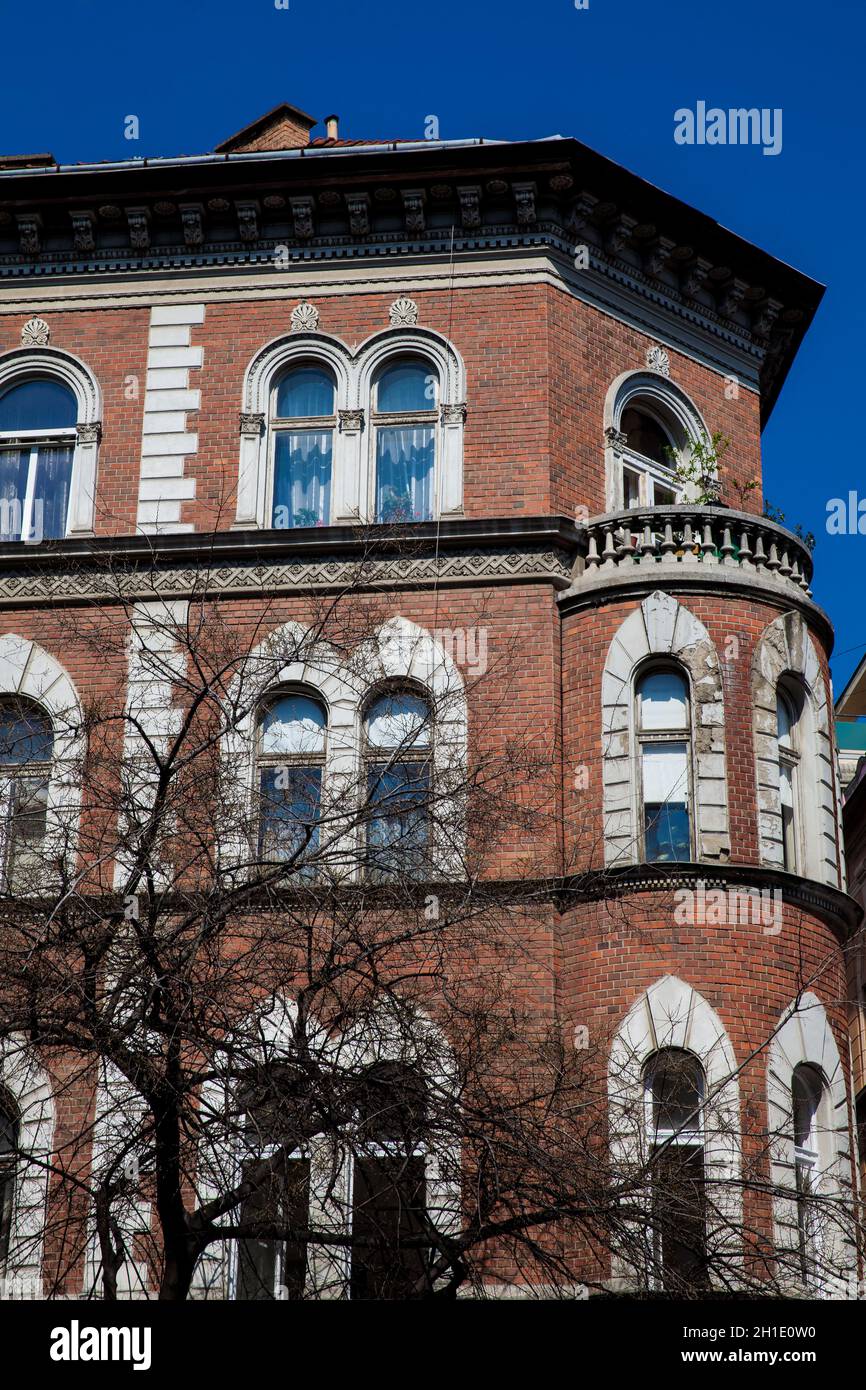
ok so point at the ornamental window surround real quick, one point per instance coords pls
(331, 436)
(649, 423)
(49, 438)
(26, 756)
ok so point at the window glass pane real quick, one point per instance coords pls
(663, 496)
(630, 488)
(302, 478)
(679, 1218)
(14, 468)
(305, 392)
(265, 1263)
(288, 811)
(397, 830)
(38, 405)
(51, 494)
(407, 386)
(645, 436)
(28, 820)
(293, 724)
(784, 721)
(393, 1105)
(8, 1127)
(665, 798)
(676, 1084)
(398, 720)
(806, 1094)
(388, 1203)
(404, 473)
(25, 734)
(663, 701)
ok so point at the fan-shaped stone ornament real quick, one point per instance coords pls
(403, 313)
(35, 333)
(658, 361)
(305, 318)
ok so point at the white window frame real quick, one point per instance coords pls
(383, 420)
(789, 763)
(25, 364)
(645, 738)
(9, 776)
(676, 414)
(276, 425)
(271, 696)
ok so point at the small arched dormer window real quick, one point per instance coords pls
(398, 740)
(302, 424)
(663, 721)
(405, 440)
(675, 1092)
(789, 707)
(38, 418)
(10, 1125)
(26, 752)
(290, 760)
(649, 459)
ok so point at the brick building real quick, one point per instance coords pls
(232, 374)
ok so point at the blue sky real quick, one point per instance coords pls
(611, 75)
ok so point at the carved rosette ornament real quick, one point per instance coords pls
(403, 313)
(252, 424)
(35, 333)
(658, 361)
(305, 318)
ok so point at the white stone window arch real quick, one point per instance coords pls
(814, 1238)
(664, 631)
(672, 1016)
(267, 1038)
(82, 435)
(354, 373)
(255, 499)
(659, 416)
(30, 674)
(785, 662)
(446, 387)
(28, 1086)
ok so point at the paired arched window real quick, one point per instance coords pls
(663, 724)
(302, 426)
(789, 707)
(675, 1091)
(38, 417)
(290, 759)
(809, 1123)
(26, 751)
(398, 741)
(404, 427)
(10, 1125)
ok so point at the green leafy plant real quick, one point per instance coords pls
(699, 468)
(776, 514)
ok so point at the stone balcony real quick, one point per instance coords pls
(691, 547)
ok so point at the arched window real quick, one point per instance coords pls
(303, 419)
(26, 750)
(398, 736)
(807, 1104)
(388, 1185)
(37, 441)
(9, 1140)
(675, 1089)
(648, 459)
(788, 710)
(273, 1266)
(664, 741)
(291, 742)
(404, 406)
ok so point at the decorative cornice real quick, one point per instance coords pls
(255, 563)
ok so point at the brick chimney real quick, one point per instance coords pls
(284, 128)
